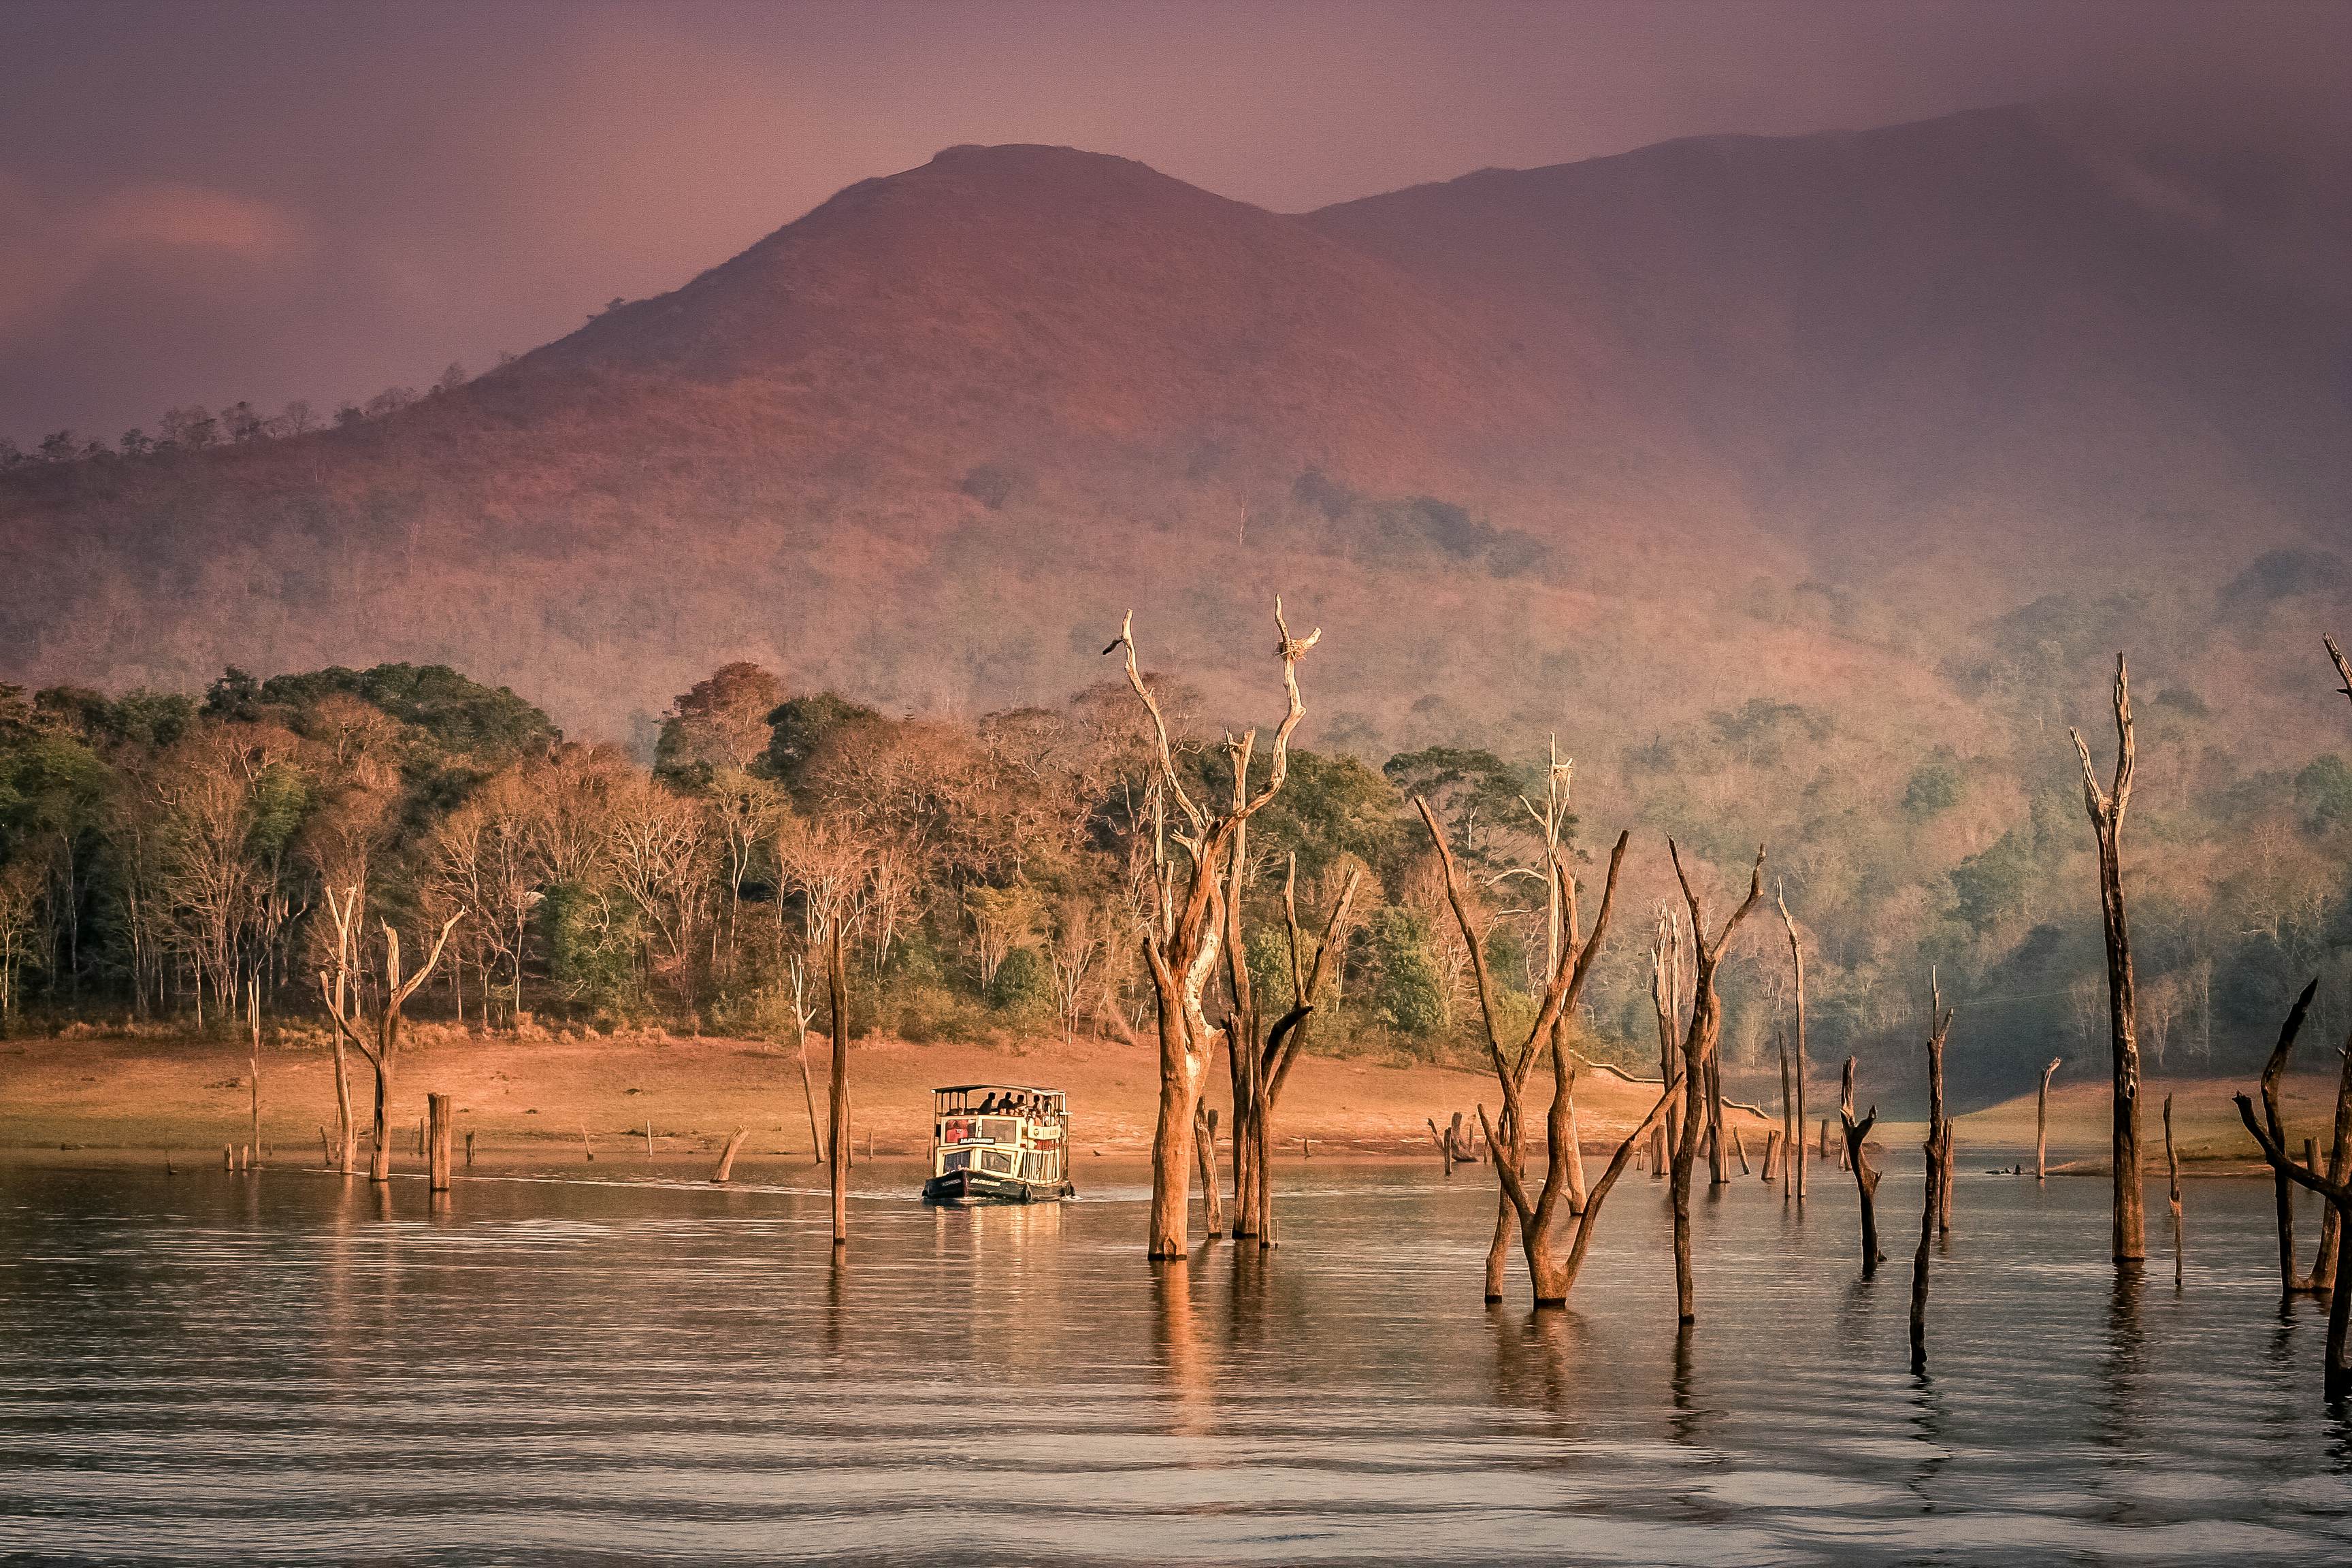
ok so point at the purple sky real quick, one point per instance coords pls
(207, 202)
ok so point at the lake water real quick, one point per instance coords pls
(287, 1367)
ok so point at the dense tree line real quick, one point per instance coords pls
(162, 855)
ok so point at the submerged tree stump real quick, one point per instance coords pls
(727, 1157)
(2041, 1123)
(1865, 1180)
(437, 1109)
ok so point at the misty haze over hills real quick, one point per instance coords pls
(1763, 471)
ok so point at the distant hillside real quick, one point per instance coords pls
(928, 440)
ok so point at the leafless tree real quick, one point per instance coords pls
(1542, 1214)
(1185, 926)
(1939, 1172)
(2107, 808)
(2337, 1383)
(1699, 1041)
(1865, 1179)
(379, 1041)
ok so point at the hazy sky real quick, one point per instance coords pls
(200, 203)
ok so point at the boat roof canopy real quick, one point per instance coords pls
(1000, 1088)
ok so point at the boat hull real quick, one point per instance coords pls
(965, 1189)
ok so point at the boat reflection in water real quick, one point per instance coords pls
(999, 1143)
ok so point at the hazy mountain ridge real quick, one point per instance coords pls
(908, 443)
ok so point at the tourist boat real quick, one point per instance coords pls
(999, 1143)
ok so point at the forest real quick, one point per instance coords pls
(167, 861)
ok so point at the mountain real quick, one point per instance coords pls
(1609, 444)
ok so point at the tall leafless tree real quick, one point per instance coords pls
(379, 1041)
(2107, 808)
(1542, 1213)
(1699, 1042)
(1184, 928)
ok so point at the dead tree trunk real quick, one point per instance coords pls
(1739, 1151)
(2282, 1184)
(1717, 1174)
(380, 1044)
(1204, 1136)
(1698, 1056)
(1939, 1138)
(1775, 1161)
(2337, 1377)
(2339, 1170)
(1791, 1136)
(727, 1157)
(2107, 808)
(2041, 1124)
(1287, 1038)
(2172, 1174)
(1542, 1215)
(1797, 964)
(437, 1142)
(836, 1137)
(1186, 927)
(1865, 1180)
(252, 1018)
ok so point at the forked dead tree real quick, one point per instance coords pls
(1261, 1071)
(1185, 927)
(2107, 808)
(1797, 964)
(2338, 1376)
(1541, 1214)
(1939, 1172)
(2291, 1283)
(379, 1041)
(1699, 1055)
(1865, 1180)
(2041, 1123)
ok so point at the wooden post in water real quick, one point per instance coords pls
(727, 1158)
(1775, 1169)
(1740, 1148)
(2311, 1153)
(469, 1147)
(1658, 1153)
(586, 1147)
(2041, 1123)
(326, 1150)
(836, 1133)
(228, 1156)
(2172, 1170)
(1204, 1150)
(252, 997)
(437, 1108)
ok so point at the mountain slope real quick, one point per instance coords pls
(1722, 418)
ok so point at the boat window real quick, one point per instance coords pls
(956, 1129)
(999, 1128)
(996, 1160)
(956, 1160)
